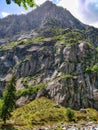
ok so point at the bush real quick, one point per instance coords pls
(70, 114)
(95, 68)
(30, 90)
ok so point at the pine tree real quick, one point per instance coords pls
(9, 99)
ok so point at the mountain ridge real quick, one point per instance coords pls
(13, 25)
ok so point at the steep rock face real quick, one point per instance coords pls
(57, 59)
(61, 69)
(76, 88)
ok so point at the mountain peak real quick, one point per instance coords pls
(47, 14)
(47, 2)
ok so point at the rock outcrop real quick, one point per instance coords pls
(59, 62)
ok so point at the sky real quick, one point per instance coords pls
(84, 10)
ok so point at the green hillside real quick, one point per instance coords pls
(43, 111)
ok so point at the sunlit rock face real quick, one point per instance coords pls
(52, 55)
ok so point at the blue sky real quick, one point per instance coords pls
(10, 9)
(85, 10)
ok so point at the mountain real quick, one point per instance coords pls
(45, 15)
(48, 13)
(53, 55)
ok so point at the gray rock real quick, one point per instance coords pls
(83, 110)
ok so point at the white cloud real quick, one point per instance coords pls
(69, 5)
(5, 14)
(85, 10)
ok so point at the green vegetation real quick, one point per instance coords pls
(58, 38)
(22, 42)
(67, 76)
(24, 3)
(1, 103)
(88, 69)
(44, 111)
(75, 33)
(39, 112)
(94, 68)
(91, 115)
(9, 46)
(30, 90)
(90, 45)
(38, 39)
(9, 100)
(97, 49)
(68, 37)
(70, 114)
(24, 60)
(56, 31)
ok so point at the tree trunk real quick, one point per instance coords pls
(4, 121)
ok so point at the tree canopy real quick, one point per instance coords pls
(24, 3)
(9, 99)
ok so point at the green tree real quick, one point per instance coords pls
(9, 99)
(24, 3)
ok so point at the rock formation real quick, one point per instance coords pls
(55, 56)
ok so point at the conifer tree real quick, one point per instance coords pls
(9, 99)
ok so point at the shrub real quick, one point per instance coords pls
(70, 114)
(95, 68)
(30, 90)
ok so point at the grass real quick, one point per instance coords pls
(39, 112)
(43, 111)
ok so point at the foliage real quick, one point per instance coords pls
(11, 45)
(1, 103)
(9, 99)
(67, 76)
(94, 68)
(56, 30)
(93, 114)
(70, 114)
(88, 69)
(24, 3)
(30, 90)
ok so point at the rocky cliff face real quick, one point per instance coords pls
(59, 62)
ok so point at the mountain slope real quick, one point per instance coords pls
(58, 59)
(47, 14)
(63, 68)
